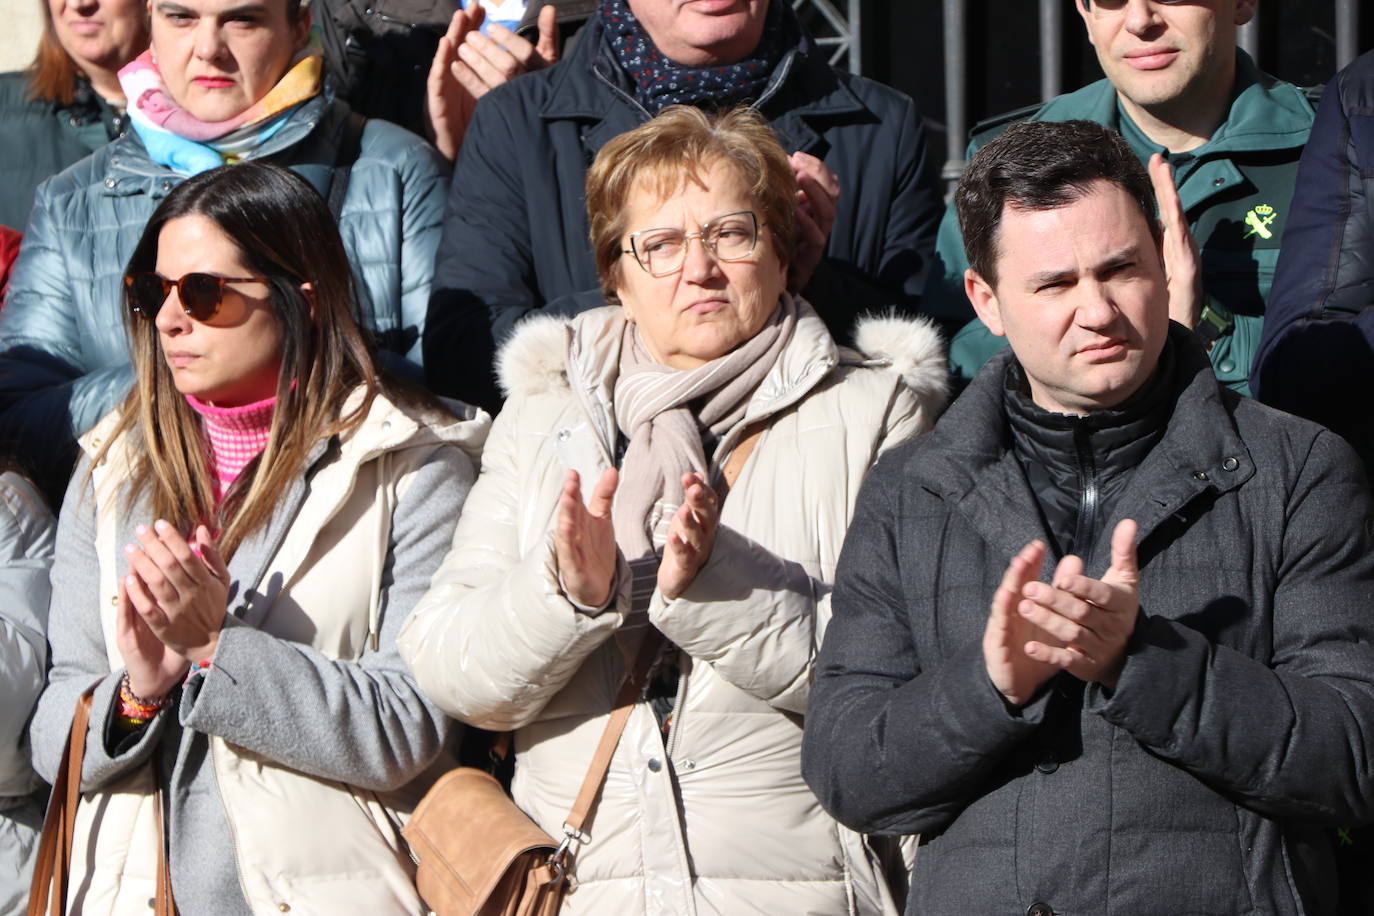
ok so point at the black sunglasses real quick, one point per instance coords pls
(200, 294)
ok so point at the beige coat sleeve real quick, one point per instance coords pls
(495, 639)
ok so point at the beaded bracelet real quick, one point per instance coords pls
(134, 708)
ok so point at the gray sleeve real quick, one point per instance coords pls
(77, 645)
(364, 723)
(27, 531)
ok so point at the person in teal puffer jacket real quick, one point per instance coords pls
(68, 103)
(217, 86)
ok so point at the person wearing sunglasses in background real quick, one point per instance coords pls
(240, 544)
(1177, 85)
(223, 82)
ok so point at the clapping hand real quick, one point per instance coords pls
(171, 605)
(1075, 624)
(1089, 620)
(691, 536)
(584, 540)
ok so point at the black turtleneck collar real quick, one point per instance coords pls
(1078, 466)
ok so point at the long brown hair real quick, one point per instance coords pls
(286, 234)
(53, 73)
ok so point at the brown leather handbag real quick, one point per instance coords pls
(55, 845)
(478, 854)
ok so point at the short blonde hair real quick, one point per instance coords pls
(677, 146)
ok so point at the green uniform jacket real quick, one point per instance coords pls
(38, 139)
(1235, 188)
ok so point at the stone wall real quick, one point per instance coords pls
(19, 36)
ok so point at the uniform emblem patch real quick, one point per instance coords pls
(1258, 220)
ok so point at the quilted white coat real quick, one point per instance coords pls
(719, 821)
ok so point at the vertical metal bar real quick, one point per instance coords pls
(956, 90)
(1347, 31)
(856, 44)
(1248, 36)
(1051, 48)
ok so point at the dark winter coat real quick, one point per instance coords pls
(1239, 730)
(38, 139)
(1316, 357)
(515, 231)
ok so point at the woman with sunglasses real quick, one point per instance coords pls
(718, 437)
(223, 82)
(239, 546)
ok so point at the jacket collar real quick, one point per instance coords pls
(968, 460)
(586, 86)
(1266, 113)
(129, 170)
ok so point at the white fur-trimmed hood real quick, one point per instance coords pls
(534, 359)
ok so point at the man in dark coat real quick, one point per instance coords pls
(1166, 700)
(515, 233)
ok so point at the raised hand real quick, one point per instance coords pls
(178, 589)
(468, 65)
(691, 536)
(1182, 263)
(1016, 675)
(818, 190)
(1090, 620)
(449, 101)
(584, 539)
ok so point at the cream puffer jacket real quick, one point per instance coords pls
(719, 821)
(300, 843)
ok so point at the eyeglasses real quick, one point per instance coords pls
(1115, 6)
(661, 252)
(200, 293)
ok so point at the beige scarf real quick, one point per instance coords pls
(664, 412)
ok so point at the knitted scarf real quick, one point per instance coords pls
(660, 82)
(236, 436)
(187, 145)
(665, 412)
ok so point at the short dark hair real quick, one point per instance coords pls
(1042, 165)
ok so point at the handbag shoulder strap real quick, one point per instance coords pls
(625, 701)
(55, 844)
(53, 863)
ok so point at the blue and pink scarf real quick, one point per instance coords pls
(187, 145)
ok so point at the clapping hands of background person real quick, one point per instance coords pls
(818, 191)
(468, 65)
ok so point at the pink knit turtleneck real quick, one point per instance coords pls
(236, 434)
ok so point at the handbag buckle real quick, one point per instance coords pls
(557, 861)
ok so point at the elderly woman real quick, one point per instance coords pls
(69, 102)
(223, 82)
(724, 437)
(236, 554)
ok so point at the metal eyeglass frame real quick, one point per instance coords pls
(642, 260)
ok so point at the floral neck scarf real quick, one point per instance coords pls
(660, 82)
(187, 145)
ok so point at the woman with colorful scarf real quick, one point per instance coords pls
(221, 83)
